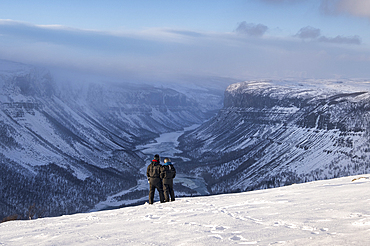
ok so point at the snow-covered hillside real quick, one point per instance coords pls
(72, 143)
(274, 133)
(330, 212)
(68, 143)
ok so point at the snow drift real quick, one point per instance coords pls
(330, 212)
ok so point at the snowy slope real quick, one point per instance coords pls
(274, 133)
(330, 212)
(71, 142)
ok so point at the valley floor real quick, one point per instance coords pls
(329, 212)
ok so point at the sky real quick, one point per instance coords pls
(163, 39)
(329, 212)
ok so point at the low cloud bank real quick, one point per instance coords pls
(315, 34)
(247, 52)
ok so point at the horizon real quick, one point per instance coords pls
(161, 40)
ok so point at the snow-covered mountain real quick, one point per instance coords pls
(274, 133)
(67, 144)
(330, 212)
(77, 144)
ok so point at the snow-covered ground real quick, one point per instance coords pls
(329, 212)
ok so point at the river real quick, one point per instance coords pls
(166, 145)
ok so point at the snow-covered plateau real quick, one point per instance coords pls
(275, 133)
(329, 212)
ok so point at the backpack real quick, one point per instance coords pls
(168, 172)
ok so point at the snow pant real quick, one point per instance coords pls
(155, 183)
(168, 190)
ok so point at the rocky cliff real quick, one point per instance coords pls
(275, 133)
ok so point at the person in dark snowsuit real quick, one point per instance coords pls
(153, 173)
(168, 174)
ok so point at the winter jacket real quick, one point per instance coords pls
(154, 169)
(153, 172)
(168, 173)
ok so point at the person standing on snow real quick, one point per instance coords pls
(168, 174)
(153, 173)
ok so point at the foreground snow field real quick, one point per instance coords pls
(329, 212)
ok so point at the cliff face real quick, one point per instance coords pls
(275, 133)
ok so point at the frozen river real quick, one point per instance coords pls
(166, 145)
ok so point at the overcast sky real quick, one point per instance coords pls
(158, 39)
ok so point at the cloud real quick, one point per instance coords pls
(157, 54)
(186, 33)
(341, 40)
(82, 39)
(359, 8)
(308, 32)
(154, 52)
(251, 29)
